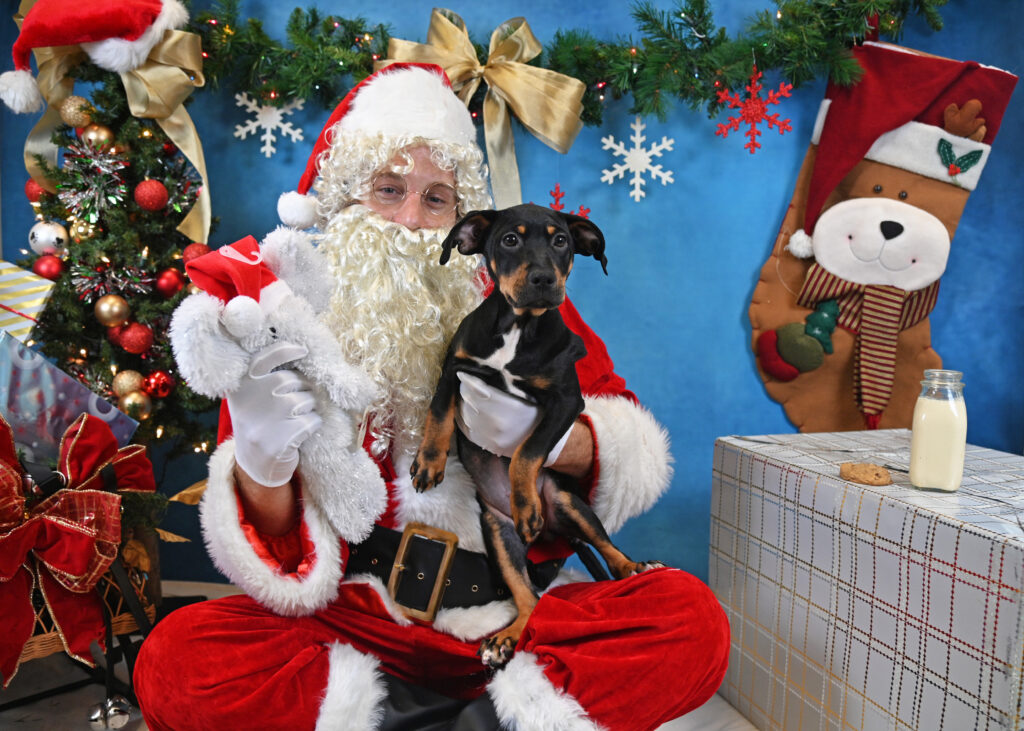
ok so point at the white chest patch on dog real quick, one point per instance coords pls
(500, 358)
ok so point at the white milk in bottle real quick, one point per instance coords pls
(939, 432)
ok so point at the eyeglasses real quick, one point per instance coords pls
(439, 199)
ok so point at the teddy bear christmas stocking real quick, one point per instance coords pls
(840, 313)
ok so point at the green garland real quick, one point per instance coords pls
(680, 55)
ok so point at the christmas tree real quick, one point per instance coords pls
(108, 239)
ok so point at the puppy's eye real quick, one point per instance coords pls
(877, 189)
(903, 195)
(560, 241)
(510, 240)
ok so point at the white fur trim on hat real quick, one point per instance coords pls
(634, 459)
(297, 210)
(20, 92)
(415, 102)
(120, 55)
(914, 146)
(355, 691)
(524, 699)
(234, 556)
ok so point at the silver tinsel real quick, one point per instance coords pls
(97, 182)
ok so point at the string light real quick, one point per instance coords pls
(113, 370)
(159, 432)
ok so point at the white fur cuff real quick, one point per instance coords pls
(354, 694)
(234, 555)
(525, 699)
(635, 462)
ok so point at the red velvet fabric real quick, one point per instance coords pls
(635, 652)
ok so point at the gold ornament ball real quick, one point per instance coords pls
(137, 404)
(76, 111)
(81, 230)
(97, 136)
(127, 381)
(112, 310)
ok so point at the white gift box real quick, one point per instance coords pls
(860, 607)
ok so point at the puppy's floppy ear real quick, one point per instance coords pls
(587, 238)
(468, 234)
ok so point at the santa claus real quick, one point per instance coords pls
(323, 639)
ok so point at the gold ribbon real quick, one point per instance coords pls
(155, 90)
(546, 102)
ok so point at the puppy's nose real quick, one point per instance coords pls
(891, 229)
(541, 278)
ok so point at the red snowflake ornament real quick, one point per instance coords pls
(557, 195)
(753, 110)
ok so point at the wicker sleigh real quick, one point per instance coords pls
(46, 640)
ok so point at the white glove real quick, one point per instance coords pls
(498, 421)
(272, 413)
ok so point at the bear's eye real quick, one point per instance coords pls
(877, 189)
(903, 195)
(273, 331)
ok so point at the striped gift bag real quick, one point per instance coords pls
(23, 296)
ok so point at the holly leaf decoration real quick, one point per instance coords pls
(956, 164)
(946, 153)
(965, 162)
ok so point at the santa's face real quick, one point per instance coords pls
(883, 227)
(413, 172)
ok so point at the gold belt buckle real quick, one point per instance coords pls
(450, 541)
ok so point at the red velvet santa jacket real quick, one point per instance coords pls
(299, 573)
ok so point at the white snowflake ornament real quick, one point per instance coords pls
(269, 119)
(637, 160)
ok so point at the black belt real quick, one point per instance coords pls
(425, 570)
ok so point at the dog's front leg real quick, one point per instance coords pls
(427, 468)
(528, 459)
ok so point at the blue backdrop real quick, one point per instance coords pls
(683, 261)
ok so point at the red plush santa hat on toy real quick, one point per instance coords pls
(895, 115)
(117, 35)
(237, 275)
(400, 101)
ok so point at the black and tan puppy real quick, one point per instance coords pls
(516, 341)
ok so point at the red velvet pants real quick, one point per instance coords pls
(634, 653)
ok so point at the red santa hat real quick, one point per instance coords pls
(895, 115)
(400, 100)
(237, 275)
(117, 35)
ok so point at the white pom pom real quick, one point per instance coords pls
(242, 316)
(20, 92)
(297, 210)
(800, 245)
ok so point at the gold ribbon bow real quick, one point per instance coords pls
(155, 90)
(546, 102)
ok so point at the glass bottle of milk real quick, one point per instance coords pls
(939, 432)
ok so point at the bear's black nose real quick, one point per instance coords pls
(891, 229)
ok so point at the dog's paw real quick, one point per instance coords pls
(495, 652)
(426, 472)
(642, 566)
(529, 521)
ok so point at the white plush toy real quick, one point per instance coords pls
(257, 295)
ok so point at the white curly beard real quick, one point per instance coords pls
(394, 310)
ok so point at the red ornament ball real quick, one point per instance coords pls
(48, 266)
(194, 251)
(114, 333)
(158, 384)
(136, 338)
(151, 195)
(169, 282)
(33, 190)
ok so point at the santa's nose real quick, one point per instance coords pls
(891, 229)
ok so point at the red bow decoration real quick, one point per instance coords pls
(66, 542)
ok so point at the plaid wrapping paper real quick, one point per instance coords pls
(23, 296)
(858, 607)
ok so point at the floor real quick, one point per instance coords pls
(71, 710)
